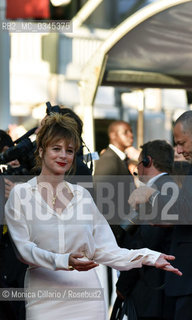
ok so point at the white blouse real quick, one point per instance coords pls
(45, 238)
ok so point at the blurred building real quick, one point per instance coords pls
(48, 66)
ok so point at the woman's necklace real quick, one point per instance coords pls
(55, 197)
(54, 193)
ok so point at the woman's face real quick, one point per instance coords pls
(57, 158)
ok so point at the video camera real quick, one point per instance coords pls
(23, 151)
(51, 109)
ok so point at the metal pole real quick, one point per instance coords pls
(140, 121)
(4, 71)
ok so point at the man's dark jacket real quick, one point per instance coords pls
(146, 286)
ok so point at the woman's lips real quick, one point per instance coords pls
(62, 164)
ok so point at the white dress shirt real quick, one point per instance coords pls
(120, 153)
(45, 238)
(151, 181)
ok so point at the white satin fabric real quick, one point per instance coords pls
(44, 240)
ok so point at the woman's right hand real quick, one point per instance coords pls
(80, 265)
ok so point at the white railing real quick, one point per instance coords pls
(39, 63)
(76, 49)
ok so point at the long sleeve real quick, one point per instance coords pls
(28, 251)
(107, 251)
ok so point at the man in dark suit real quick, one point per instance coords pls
(112, 177)
(113, 160)
(145, 288)
(112, 186)
(179, 291)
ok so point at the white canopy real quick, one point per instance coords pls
(151, 48)
(157, 51)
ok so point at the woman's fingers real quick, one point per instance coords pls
(172, 269)
(84, 268)
(81, 265)
(85, 265)
(163, 263)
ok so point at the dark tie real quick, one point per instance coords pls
(126, 161)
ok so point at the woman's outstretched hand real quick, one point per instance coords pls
(162, 263)
(80, 265)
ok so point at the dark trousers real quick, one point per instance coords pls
(179, 308)
(12, 273)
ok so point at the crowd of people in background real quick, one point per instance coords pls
(139, 175)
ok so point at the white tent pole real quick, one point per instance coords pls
(85, 12)
(4, 71)
(140, 119)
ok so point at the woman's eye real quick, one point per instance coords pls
(70, 151)
(56, 149)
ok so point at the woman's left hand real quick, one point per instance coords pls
(80, 265)
(162, 263)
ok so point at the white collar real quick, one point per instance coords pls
(120, 153)
(74, 188)
(152, 180)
